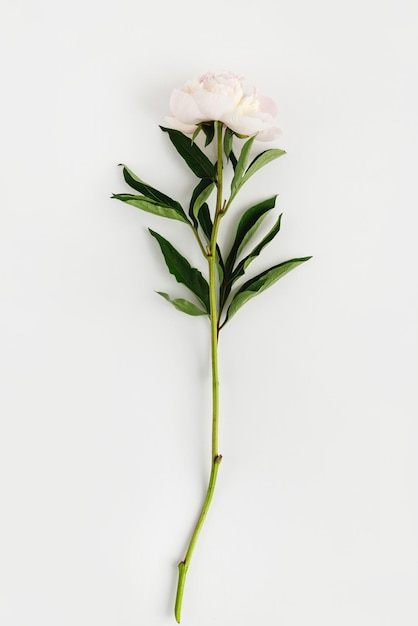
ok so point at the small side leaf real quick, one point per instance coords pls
(209, 130)
(192, 154)
(183, 305)
(260, 283)
(182, 270)
(200, 194)
(228, 142)
(234, 160)
(205, 221)
(240, 166)
(195, 134)
(152, 206)
(248, 225)
(242, 266)
(148, 191)
(260, 161)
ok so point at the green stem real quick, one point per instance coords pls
(201, 246)
(215, 457)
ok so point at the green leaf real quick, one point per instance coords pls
(205, 221)
(248, 225)
(240, 166)
(152, 206)
(228, 142)
(195, 134)
(209, 130)
(200, 194)
(219, 265)
(242, 174)
(183, 305)
(192, 154)
(260, 161)
(234, 160)
(260, 283)
(148, 191)
(183, 272)
(242, 266)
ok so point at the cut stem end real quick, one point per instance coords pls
(180, 589)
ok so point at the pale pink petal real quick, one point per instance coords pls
(184, 108)
(271, 134)
(243, 124)
(220, 97)
(172, 122)
(267, 105)
(213, 106)
(256, 124)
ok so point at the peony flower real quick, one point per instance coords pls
(221, 97)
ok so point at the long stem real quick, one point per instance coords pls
(216, 457)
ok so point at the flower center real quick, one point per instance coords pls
(248, 104)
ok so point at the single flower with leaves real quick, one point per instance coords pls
(217, 106)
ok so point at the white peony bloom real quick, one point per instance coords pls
(221, 97)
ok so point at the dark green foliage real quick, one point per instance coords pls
(182, 270)
(200, 219)
(192, 154)
(260, 283)
(148, 191)
(152, 206)
(201, 193)
(247, 227)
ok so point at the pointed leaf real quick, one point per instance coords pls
(260, 161)
(205, 221)
(242, 266)
(241, 165)
(248, 236)
(231, 276)
(200, 195)
(192, 154)
(182, 270)
(228, 142)
(183, 305)
(248, 225)
(151, 206)
(209, 130)
(148, 191)
(195, 134)
(260, 283)
(234, 160)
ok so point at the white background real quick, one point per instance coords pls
(105, 388)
